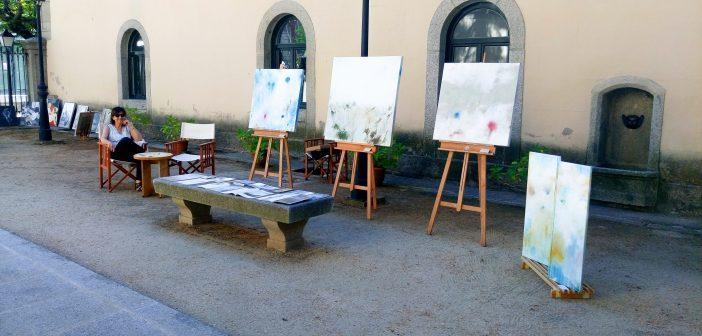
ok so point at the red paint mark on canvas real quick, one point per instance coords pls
(492, 126)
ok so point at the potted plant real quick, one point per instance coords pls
(249, 142)
(387, 158)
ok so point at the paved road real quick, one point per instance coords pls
(42, 293)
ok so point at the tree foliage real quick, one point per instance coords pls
(19, 17)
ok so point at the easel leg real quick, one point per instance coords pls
(437, 202)
(462, 185)
(287, 159)
(255, 160)
(268, 158)
(280, 163)
(375, 186)
(305, 160)
(482, 163)
(369, 187)
(353, 171)
(338, 174)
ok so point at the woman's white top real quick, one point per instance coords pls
(115, 136)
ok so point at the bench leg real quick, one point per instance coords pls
(192, 213)
(284, 236)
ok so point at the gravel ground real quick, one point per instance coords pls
(356, 277)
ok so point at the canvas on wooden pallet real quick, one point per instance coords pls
(276, 99)
(555, 219)
(570, 224)
(540, 206)
(362, 99)
(476, 103)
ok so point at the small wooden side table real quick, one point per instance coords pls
(147, 159)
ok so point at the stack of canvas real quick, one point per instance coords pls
(555, 219)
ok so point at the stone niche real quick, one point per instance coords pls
(626, 129)
(624, 145)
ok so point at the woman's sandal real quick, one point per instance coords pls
(138, 185)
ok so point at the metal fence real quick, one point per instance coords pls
(14, 81)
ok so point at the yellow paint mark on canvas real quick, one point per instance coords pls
(558, 249)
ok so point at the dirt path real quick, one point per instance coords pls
(356, 277)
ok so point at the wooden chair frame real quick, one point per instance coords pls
(105, 165)
(207, 156)
(313, 146)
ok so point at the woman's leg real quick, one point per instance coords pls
(125, 150)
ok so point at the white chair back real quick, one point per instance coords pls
(197, 131)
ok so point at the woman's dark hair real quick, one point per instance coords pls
(115, 111)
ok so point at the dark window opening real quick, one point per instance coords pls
(289, 44)
(136, 71)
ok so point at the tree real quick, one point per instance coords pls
(19, 17)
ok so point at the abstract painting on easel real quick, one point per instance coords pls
(570, 224)
(476, 103)
(362, 99)
(540, 206)
(276, 99)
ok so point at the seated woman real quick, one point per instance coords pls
(122, 137)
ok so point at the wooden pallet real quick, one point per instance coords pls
(557, 292)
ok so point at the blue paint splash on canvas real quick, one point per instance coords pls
(275, 99)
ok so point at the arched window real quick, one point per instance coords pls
(479, 33)
(136, 67)
(289, 44)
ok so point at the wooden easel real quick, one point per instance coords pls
(370, 188)
(482, 151)
(282, 136)
(557, 292)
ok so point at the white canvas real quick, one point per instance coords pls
(104, 120)
(540, 206)
(79, 110)
(476, 103)
(96, 122)
(570, 224)
(362, 99)
(276, 99)
(69, 109)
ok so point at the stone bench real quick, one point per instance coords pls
(284, 223)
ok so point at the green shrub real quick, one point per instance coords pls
(249, 141)
(389, 157)
(517, 171)
(140, 119)
(171, 128)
